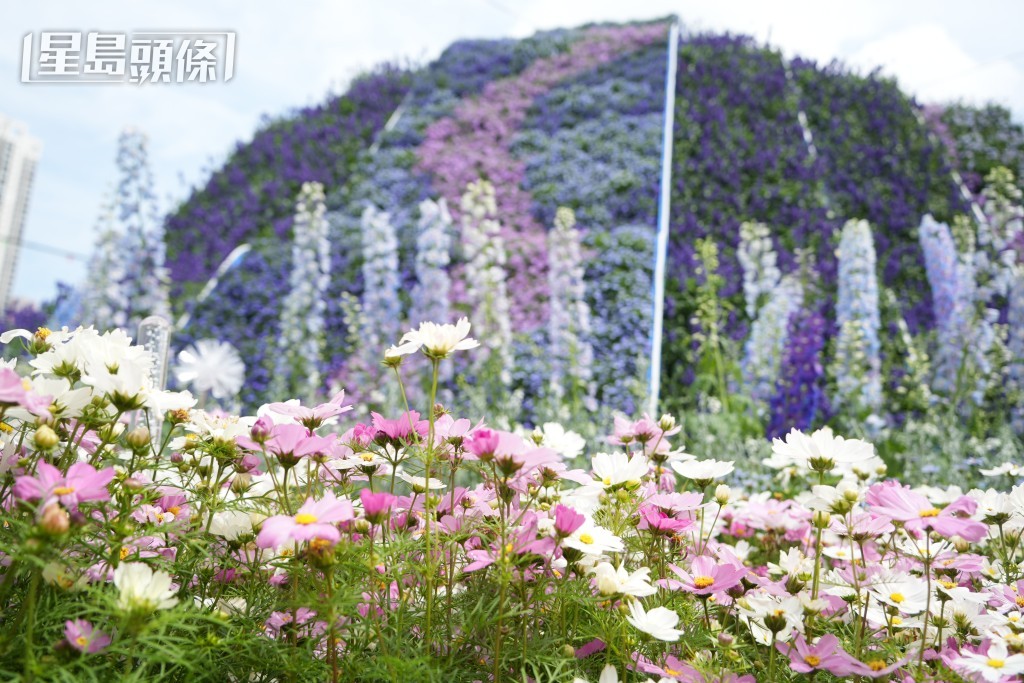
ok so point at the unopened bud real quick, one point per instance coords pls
(537, 435)
(138, 438)
(177, 417)
(45, 438)
(54, 520)
(177, 458)
(667, 423)
(261, 430)
(821, 518)
(725, 640)
(722, 494)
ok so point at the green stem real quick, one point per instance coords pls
(30, 607)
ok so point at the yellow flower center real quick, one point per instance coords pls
(876, 665)
(930, 512)
(509, 548)
(174, 510)
(586, 538)
(6, 428)
(125, 552)
(897, 598)
(43, 332)
(81, 641)
(1020, 601)
(304, 518)
(318, 545)
(63, 490)
(26, 385)
(896, 621)
(366, 457)
(672, 672)
(607, 481)
(995, 663)
(948, 585)
(703, 581)
(812, 660)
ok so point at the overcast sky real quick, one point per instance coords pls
(287, 58)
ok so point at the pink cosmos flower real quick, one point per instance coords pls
(654, 519)
(524, 543)
(82, 484)
(315, 519)
(825, 655)
(482, 443)
(673, 669)
(312, 417)
(567, 520)
(401, 428)
(17, 391)
(899, 503)
(81, 635)
(376, 506)
(706, 576)
(289, 442)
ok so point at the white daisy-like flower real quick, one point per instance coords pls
(436, 340)
(821, 446)
(141, 588)
(608, 675)
(421, 484)
(612, 581)
(703, 470)
(591, 539)
(995, 665)
(1009, 468)
(613, 469)
(659, 622)
(907, 594)
(211, 366)
(566, 443)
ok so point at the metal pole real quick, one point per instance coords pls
(661, 245)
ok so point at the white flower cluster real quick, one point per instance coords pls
(569, 315)
(433, 253)
(762, 354)
(381, 305)
(857, 364)
(485, 277)
(301, 339)
(759, 261)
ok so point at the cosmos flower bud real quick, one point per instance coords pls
(54, 520)
(667, 423)
(722, 494)
(261, 430)
(821, 518)
(45, 438)
(138, 438)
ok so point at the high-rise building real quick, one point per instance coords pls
(19, 153)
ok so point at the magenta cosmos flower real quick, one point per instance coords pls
(706, 576)
(825, 655)
(900, 504)
(315, 519)
(289, 442)
(82, 484)
(81, 635)
(376, 506)
(567, 521)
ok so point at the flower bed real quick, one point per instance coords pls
(324, 543)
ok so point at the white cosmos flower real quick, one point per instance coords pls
(1006, 468)
(659, 622)
(995, 665)
(617, 468)
(703, 470)
(608, 675)
(566, 443)
(421, 484)
(142, 588)
(800, 449)
(612, 581)
(906, 593)
(437, 341)
(211, 366)
(231, 524)
(591, 539)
